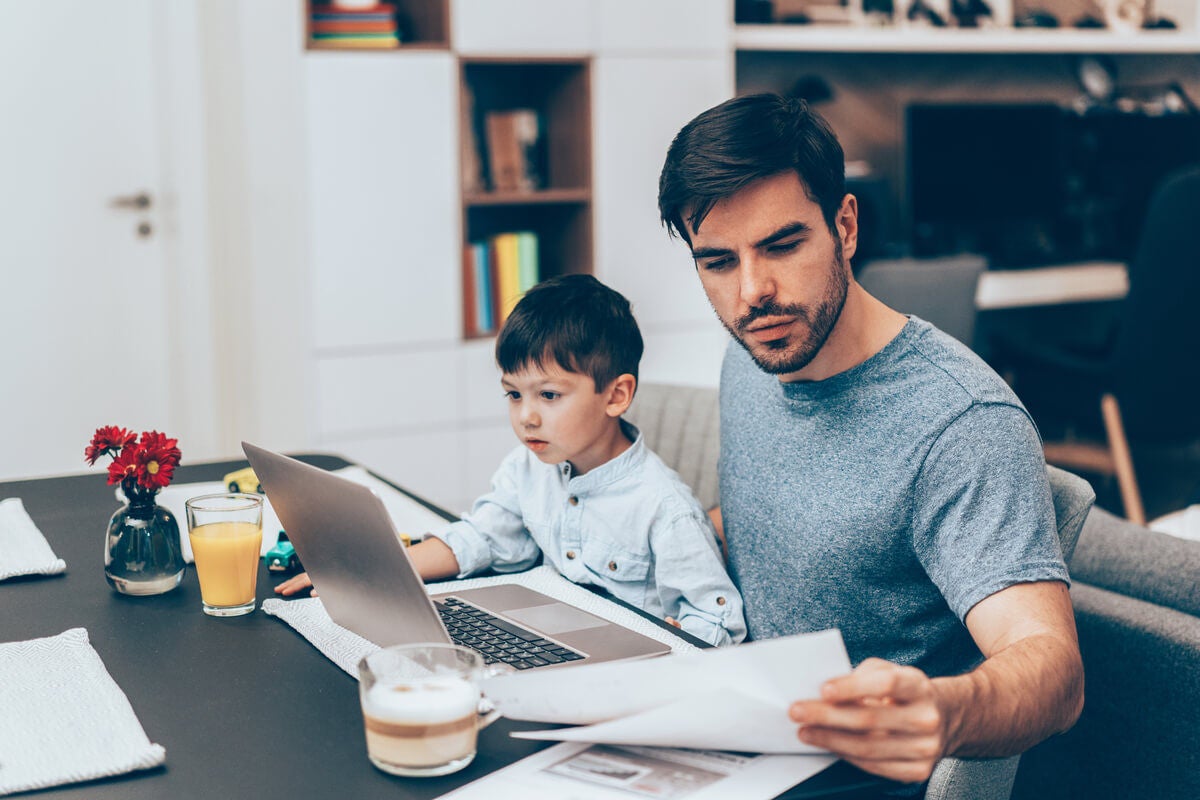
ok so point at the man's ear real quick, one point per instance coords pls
(620, 394)
(847, 225)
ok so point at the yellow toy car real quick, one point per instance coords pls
(244, 480)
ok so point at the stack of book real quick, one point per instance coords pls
(368, 27)
(496, 273)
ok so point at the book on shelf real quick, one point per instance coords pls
(373, 26)
(472, 162)
(496, 274)
(470, 291)
(506, 269)
(484, 317)
(514, 142)
(527, 261)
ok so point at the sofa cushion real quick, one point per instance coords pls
(1073, 498)
(683, 425)
(1138, 562)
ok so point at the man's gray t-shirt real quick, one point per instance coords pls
(885, 501)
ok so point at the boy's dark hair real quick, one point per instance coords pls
(743, 140)
(578, 322)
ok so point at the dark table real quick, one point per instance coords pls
(244, 706)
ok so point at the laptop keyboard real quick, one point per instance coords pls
(498, 640)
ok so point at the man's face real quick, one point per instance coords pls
(773, 272)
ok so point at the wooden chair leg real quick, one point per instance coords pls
(1114, 428)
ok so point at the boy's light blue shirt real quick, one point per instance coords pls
(630, 526)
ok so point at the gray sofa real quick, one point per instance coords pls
(1137, 607)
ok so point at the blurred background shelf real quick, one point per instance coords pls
(855, 39)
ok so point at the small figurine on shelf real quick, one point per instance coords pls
(921, 13)
(971, 13)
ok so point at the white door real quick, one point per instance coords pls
(84, 315)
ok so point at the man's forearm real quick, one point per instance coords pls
(1023, 694)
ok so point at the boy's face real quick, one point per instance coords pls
(560, 416)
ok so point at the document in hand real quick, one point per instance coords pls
(733, 698)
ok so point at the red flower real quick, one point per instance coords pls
(108, 441)
(125, 464)
(149, 464)
(156, 458)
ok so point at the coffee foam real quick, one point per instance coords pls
(423, 702)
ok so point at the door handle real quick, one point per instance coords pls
(131, 202)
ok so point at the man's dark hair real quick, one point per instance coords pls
(744, 140)
(586, 327)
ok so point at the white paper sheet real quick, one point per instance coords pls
(410, 516)
(602, 772)
(729, 699)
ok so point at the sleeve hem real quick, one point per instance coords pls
(1032, 572)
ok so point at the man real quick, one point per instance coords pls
(876, 476)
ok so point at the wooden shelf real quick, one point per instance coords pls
(557, 163)
(854, 39)
(403, 47)
(541, 197)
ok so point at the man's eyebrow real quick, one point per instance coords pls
(710, 252)
(791, 229)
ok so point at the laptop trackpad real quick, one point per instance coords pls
(555, 618)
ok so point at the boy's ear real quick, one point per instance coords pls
(620, 394)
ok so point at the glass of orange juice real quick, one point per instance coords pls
(226, 535)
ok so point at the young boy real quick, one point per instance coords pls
(582, 490)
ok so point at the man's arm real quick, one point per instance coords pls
(897, 722)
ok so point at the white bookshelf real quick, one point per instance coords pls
(856, 39)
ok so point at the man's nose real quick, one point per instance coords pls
(757, 281)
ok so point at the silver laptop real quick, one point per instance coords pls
(348, 544)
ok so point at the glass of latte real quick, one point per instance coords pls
(421, 707)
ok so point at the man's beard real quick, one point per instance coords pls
(784, 356)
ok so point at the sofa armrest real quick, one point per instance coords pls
(1126, 558)
(1137, 736)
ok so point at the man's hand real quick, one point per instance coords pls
(294, 584)
(882, 717)
(897, 722)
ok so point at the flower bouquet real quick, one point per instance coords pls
(143, 554)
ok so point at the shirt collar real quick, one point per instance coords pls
(610, 471)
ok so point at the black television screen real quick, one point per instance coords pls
(984, 178)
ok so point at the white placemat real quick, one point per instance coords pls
(346, 648)
(62, 717)
(23, 549)
(410, 516)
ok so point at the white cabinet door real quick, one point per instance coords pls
(524, 27)
(640, 104)
(383, 183)
(625, 27)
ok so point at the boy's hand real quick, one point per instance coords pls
(675, 622)
(296, 583)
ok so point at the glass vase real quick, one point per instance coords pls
(143, 554)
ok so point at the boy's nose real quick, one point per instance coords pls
(530, 418)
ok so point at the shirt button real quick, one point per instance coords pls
(573, 500)
(612, 565)
(720, 601)
(571, 554)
